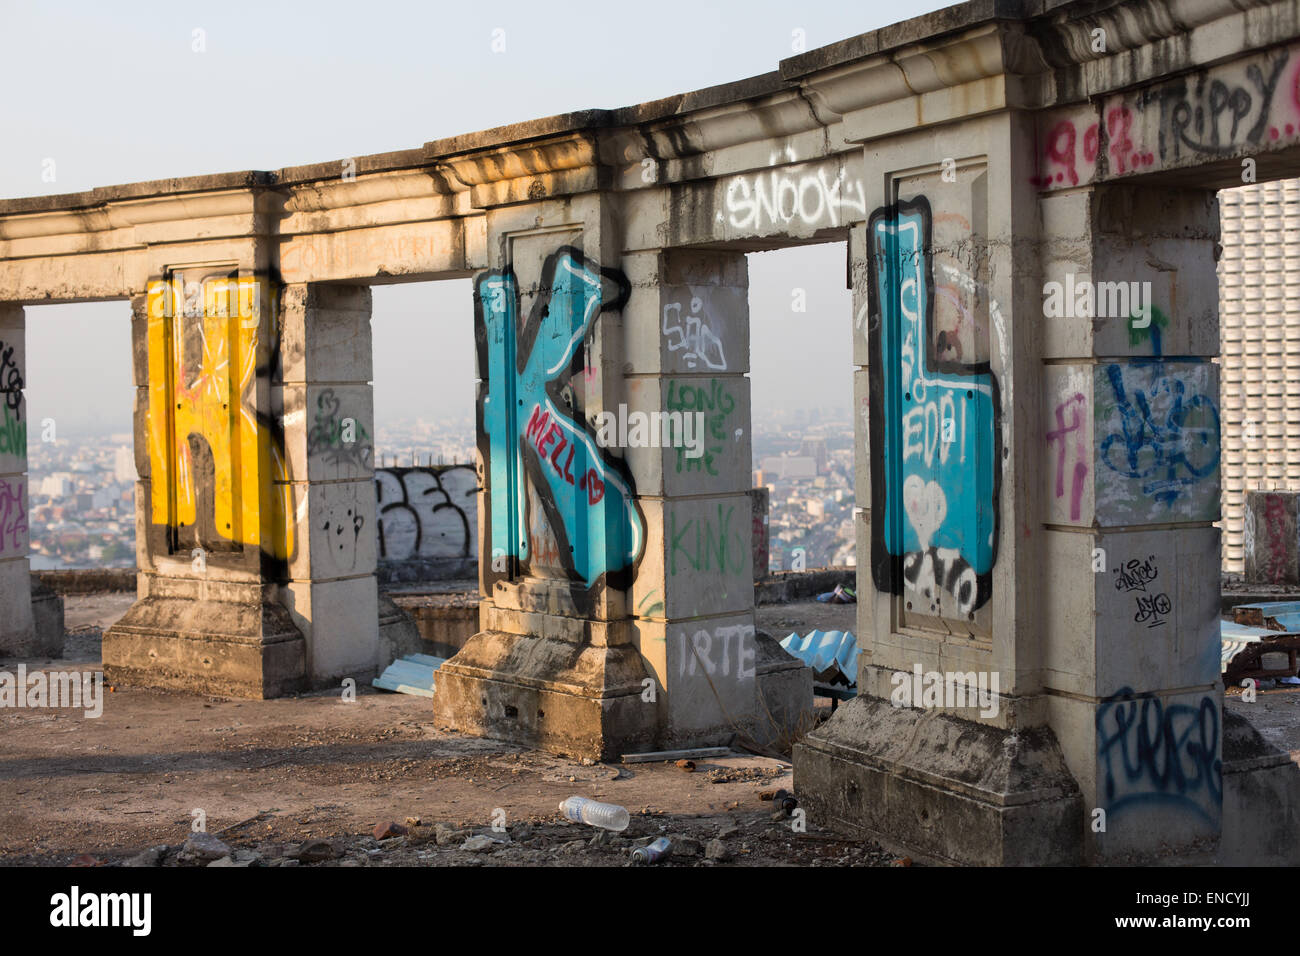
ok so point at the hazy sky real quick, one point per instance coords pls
(104, 92)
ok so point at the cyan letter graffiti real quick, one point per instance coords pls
(1151, 751)
(934, 429)
(536, 435)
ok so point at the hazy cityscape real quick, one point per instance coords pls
(81, 511)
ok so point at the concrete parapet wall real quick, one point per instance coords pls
(87, 580)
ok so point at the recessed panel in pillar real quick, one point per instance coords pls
(559, 505)
(935, 411)
(218, 468)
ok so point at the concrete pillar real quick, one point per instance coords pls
(17, 633)
(935, 754)
(215, 507)
(561, 529)
(616, 571)
(1131, 449)
(687, 352)
(1039, 443)
(329, 444)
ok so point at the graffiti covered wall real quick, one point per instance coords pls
(218, 470)
(1157, 442)
(1224, 112)
(13, 449)
(1160, 754)
(934, 423)
(559, 506)
(428, 517)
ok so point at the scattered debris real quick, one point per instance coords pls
(717, 850)
(666, 755)
(745, 774)
(479, 844)
(607, 816)
(203, 846)
(384, 831)
(841, 595)
(313, 851)
(685, 846)
(444, 834)
(660, 849)
(1261, 642)
(785, 801)
(521, 832)
(150, 857)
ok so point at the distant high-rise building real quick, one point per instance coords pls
(815, 448)
(123, 465)
(56, 485)
(789, 466)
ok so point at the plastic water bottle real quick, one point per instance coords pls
(652, 852)
(607, 816)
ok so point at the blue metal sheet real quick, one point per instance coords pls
(1236, 638)
(826, 651)
(1273, 608)
(410, 675)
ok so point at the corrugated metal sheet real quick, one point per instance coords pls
(412, 674)
(828, 653)
(1235, 639)
(1259, 310)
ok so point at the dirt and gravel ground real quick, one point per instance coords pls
(780, 620)
(305, 780)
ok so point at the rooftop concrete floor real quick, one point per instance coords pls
(274, 774)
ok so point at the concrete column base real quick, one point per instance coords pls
(939, 788)
(236, 649)
(1261, 799)
(40, 633)
(785, 694)
(398, 634)
(576, 699)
